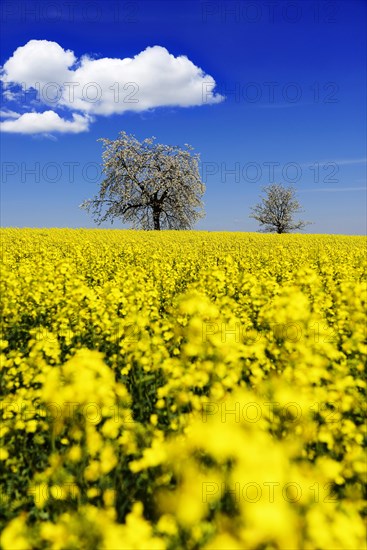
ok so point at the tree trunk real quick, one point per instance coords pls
(156, 220)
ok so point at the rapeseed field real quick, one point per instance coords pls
(182, 390)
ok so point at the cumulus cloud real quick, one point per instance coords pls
(38, 61)
(48, 121)
(6, 113)
(152, 78)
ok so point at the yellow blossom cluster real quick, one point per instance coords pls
(182, 390)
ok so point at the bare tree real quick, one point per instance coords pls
(275, 212)
(151, 186)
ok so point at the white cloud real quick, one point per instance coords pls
(38, 61)
(48, 121)
(6, 113)
(153, 78)
(8, 95)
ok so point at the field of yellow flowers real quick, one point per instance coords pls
(182, 390)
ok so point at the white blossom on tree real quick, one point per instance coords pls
(275, 212)
(148, 184)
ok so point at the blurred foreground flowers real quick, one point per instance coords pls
(182, 390)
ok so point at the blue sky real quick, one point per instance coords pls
(280, 97)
